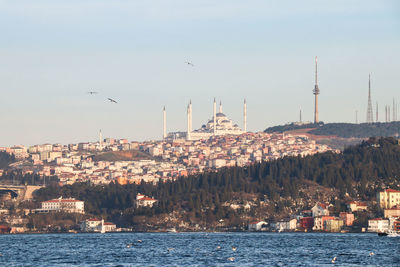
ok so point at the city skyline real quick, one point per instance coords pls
(137, 53)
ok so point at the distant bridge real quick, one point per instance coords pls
(21, 192)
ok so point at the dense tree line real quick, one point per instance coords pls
(374, 162)
(345, 130)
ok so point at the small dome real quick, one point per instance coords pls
(220, 114)
(225, 121)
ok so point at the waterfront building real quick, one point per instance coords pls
(378, 225)
(289, 225)
(392, 212)
(307, 223)
(97, 225)
(319, 222)
(388, 198)
(257, 226)
(334, 225)
(70, 205)
(347, 217)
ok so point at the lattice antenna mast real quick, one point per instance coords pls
(370, 118)
(316, 92)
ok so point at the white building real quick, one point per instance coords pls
(144, 201)
(96, 225)
(66, 205)
(289, 225)
(378, 225)
(257, 226)
(388, 198)
(219, 124)
(319, 209)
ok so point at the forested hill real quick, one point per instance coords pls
(356, 173)
(345, 130)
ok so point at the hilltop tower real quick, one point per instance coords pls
(370, 118)
(316, 92)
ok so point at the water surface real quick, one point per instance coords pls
(199, 249)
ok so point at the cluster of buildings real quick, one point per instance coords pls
(169, 158)
(319, 218)
(389, 201)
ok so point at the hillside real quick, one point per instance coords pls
(343, 130)
(235, 195)
(122, 156)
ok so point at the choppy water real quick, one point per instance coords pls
(199, 249)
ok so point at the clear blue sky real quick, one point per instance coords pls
(53, 52)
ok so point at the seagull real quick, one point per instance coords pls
(170, 249)
(231, 258)
(112, 100)
(129, 245)
(92, 92)
(139, 241)
(371, 254)
(189, 63)
(234, 248)
(334, 260)
(219, 247)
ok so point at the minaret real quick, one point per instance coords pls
(316, 92)
(215, 117)
(356, 116)
(164, 124)
(100, 138)
(394, 111)
(188, 123)
(377, 117)
(370, 118)
(220, 107)
(190, 110)
(245, 116)
(300, 116)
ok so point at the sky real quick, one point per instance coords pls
(53, 52)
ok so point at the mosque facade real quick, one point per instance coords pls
(219, 124)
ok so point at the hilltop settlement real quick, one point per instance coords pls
(246, 182)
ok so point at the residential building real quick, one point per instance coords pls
(319, 222)
(392, 212)
(307, 223)
(257, 226)
(97, 225)
(347, 217)
(357, 206)
(378, 225)
(63, 204)
(144, 201)
(288, 225)
(388, 198)
(334, 225)
(319, 210)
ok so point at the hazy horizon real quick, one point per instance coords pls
(54, 52)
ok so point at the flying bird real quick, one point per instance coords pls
(112, 100)
(189, 63)
(92, 92)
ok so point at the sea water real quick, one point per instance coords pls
(199, 249)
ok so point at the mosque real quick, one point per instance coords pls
(219, 124)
